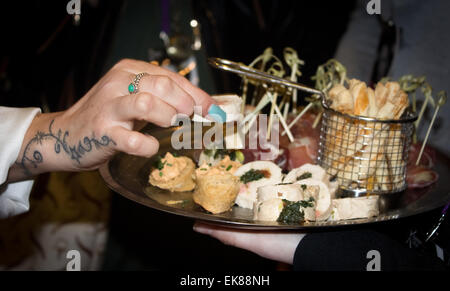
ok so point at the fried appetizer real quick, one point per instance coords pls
(387, 101)
(217, 187)
(342, 99)
(358, 90)
(175, 174)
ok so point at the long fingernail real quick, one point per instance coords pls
(217, 113)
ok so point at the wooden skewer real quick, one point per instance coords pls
(262, 103)
(280, 116)
(316, 121)
(250, 124)
(441, 102)
(244, 95)
(294, 79)
(422, 110)
(292, 59)
(272, 109)
(286, 110)
(250, 118)
(298, 117)
(283, 122)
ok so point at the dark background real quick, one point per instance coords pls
(47, 61)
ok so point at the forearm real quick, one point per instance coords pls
(36, 155)
(51, 144)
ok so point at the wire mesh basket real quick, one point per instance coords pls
(365, 155)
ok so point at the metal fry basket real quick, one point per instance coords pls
(365, 155)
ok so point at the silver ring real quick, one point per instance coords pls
(133, 88)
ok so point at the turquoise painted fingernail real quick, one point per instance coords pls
(217, 113)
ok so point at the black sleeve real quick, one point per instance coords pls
(348, 251)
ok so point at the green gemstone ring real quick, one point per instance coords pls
(133, 87)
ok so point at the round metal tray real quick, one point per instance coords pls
(128, 176)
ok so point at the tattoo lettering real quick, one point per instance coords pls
(75, 152)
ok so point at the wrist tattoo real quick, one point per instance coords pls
(31, 159)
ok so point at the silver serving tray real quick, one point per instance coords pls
(128, 176)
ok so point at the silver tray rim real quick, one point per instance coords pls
(258, 225)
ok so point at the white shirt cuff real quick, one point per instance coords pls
(15, 199)
(14, 123)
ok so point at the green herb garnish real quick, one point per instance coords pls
(229, 167)
(304, 187)
(160, 174)
(251, 175)
(158, 163)
(203, 169)
(293, 211)
(307, 203)
(303, 176)
(169, 164)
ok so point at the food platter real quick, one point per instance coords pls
(128, 176)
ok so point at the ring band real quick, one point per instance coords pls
(133, 88)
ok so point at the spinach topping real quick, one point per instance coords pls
(158, 163)
(305, 175)
(304, 187)
(251, 175)
(293, 211)
(219, 154)
(307, 203)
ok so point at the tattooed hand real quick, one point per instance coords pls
(101, 123)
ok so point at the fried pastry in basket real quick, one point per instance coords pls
(359, 151)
